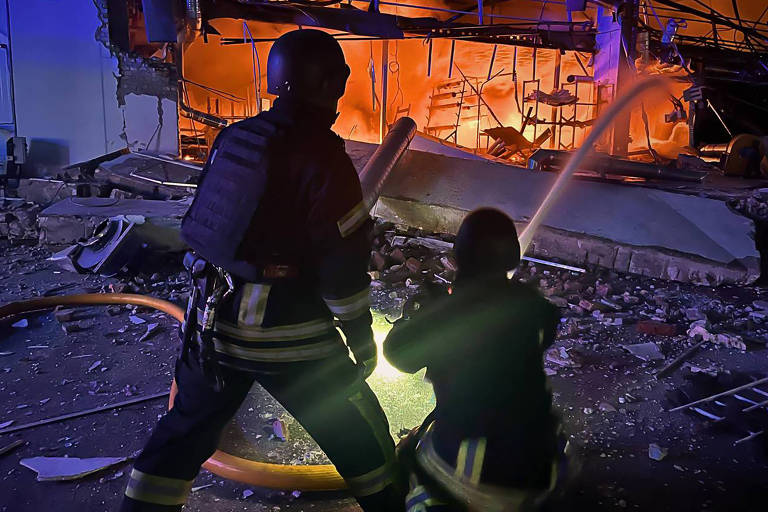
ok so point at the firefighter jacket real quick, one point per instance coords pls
(280, 207)
(483, 348)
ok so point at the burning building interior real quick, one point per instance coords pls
(624, 141)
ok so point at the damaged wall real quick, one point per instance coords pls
(7, 123)
(67, 86)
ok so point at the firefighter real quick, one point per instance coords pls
(281, 242)
(491, 442)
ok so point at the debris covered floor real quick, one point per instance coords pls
(631, 453)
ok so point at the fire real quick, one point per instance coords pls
(428, 87)
(411, 83)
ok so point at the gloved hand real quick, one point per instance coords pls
(364, 351)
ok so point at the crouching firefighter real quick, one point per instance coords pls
(280, 240)
(491, 443)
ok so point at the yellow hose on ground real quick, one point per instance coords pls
(226, 465)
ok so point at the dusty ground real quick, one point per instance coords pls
(611, 404)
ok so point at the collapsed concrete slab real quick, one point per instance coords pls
(633, 229)
(150, 175)
(74, 219)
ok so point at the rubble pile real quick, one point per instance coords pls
(754, 207)
(596, 306)
(617, 331)
(18, 220)
(403, 261)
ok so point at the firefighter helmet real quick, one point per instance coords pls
(486, 243)
(307, 64)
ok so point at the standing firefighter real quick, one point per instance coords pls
(490, 444)
(281, 246)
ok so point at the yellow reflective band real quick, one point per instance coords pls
(350, 307)
(253, 305)
(490, 498)
(289, 332)
(378, 479)
(373, 481)
(477, 463)
(309, 352)
(419, 489)
(469, 461)
(353, 219)
(159, 490)
(427, 500)
(461, 460)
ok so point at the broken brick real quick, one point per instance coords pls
(656, 328)
(117, 287)
(378, 260)
(413, 265)
(449, 263)
(397, 255)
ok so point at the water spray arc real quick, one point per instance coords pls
(617, 107)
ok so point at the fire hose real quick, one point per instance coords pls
(325, 477)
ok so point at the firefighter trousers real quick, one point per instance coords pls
(328, 398)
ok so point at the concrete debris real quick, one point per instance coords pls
(10, 447)
(149, 175)
(397, 255)
(449, 263)
(699, 330)
(112, 477)
(19, 221)
(152, 329)
(72, 327)
(434, 244)
(645, 351)
(278, 430)
(378, 261)
(558, 301)
(68, 468)
(64, 315)
(44, 191)
(413, 265)
(656, 452)
(694, 314)
(247, 494)
(561, 357)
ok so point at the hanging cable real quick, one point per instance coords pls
(200, 152)
(394, 68)
(372, 74)
(643, 114)
(254, 64)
